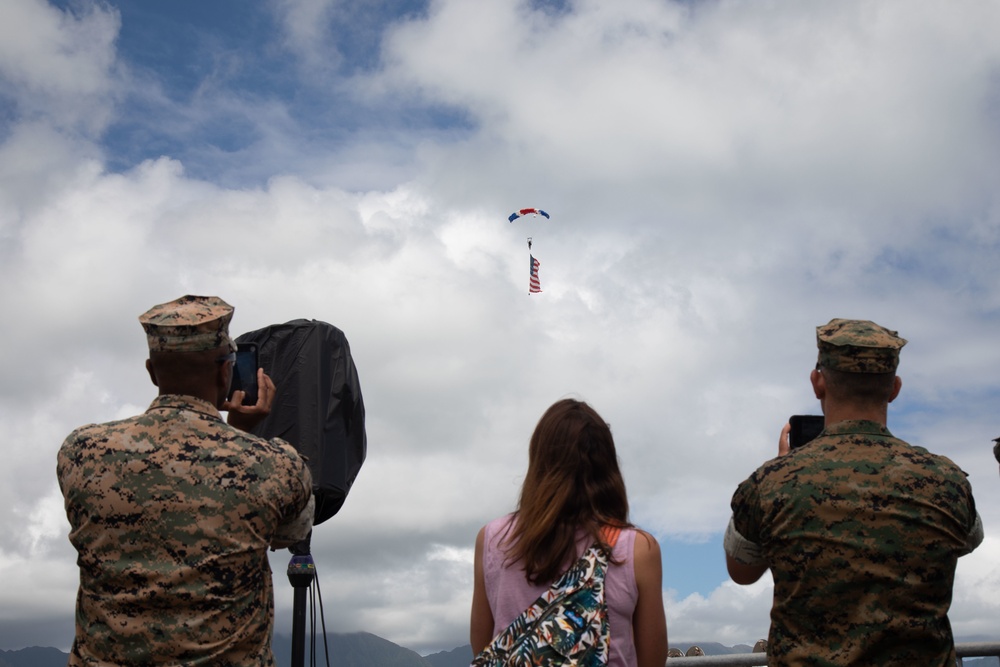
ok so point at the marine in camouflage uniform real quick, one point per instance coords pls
(860, 530)
(172, 512)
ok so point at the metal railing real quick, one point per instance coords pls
(966, 650)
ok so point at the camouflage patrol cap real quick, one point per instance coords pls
(858, 346)
(188, 324)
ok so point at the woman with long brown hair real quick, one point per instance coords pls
(573, 490)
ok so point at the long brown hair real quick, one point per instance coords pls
(573, 482)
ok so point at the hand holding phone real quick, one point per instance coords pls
(804, 428)
(248, 417)
(245, 374)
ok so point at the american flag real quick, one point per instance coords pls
(533, 284)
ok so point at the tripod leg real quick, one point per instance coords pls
(301, 572)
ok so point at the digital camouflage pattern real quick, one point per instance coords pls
(171, 513)
(861, 532)
(188, 324)
(858, 346)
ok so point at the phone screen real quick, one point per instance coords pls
(804, 429)
(245, 373)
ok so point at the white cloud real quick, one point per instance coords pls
(306, 24)
(59, 64)
(974, 605)
(864, 108)
(722, 177)
(730, 615)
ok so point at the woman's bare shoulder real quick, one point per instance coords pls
(645, 541)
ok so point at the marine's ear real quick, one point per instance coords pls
(818, 383)
(897, 384)
(152, 372)
(223, 380)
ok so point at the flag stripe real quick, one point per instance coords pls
(533, 284)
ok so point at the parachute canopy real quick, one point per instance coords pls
(527, 211)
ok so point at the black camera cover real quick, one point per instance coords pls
(318, 407)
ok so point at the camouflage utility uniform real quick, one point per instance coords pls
(862, 533)
(171, 513)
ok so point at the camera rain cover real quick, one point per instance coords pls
(318, 407)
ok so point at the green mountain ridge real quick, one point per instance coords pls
(360, 649)
(356, 649)
(363, 649)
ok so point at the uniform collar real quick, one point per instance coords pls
(179, 402)
(862, 426)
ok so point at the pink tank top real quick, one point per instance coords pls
(509, 592)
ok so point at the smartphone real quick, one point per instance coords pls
(804, 429)
(245, 373)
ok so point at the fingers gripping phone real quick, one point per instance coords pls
(804, 429)
(245, 373)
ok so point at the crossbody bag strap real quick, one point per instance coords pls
(610, 534)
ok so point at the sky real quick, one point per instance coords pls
(722, 176)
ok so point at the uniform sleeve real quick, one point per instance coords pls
(69, 476)
(975, 537)
(300, 510)
(743, 534)
(63, 469)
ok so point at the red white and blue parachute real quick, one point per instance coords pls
(527, 211)
(534, 285)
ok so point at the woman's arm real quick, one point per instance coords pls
(481, 624)
(649, 622)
